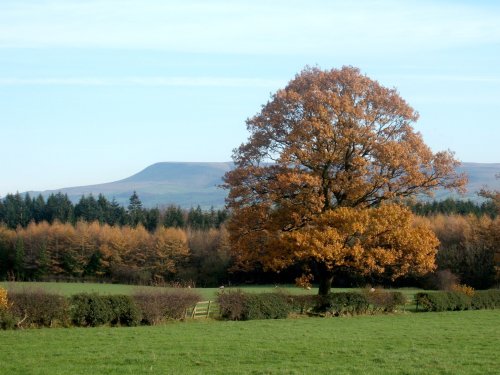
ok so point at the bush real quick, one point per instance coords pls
(90, 310)
(7, 320)
(337, 304)
(124, 311)
(302, 303)
(267, 306)
(4, 302)
(462, 288)
(443, 301)
(156, 307)
(241, 306)
(486, 299)
(232, 305)
(38, 308)
(382, 300)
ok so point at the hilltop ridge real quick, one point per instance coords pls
(189, 184)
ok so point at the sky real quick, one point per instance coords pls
(93, 91)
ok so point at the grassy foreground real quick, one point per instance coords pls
(426, 343)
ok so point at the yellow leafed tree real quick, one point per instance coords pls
(311, 184)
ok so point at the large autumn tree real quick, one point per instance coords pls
(319, 180)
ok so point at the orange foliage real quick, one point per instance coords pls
(4, 302)
(321, 154)
(67, 249)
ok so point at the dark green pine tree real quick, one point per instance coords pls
(15, 211)
(117, 214)
(42, 262)
(174, 217)
(60, 208)
(135, 211)
(38, 208)
(152, 219)
(19, 259)
(88, 209)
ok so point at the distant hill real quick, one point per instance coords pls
(191, 184)
(184, 184)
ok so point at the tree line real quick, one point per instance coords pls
(452, 206)
(18, 210)
(98, 239)
(126, 254)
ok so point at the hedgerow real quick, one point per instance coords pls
(453, 301)
(236, 305)
(156, 307)
(38, 308)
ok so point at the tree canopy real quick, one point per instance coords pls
(327, 159)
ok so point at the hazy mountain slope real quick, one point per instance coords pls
(184, 184)
(192, 184)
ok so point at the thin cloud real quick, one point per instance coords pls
(142, 81)
(446, 78)
(258, 27)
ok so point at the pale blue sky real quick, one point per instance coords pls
(93, 91)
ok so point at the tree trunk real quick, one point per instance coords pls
(325, 278)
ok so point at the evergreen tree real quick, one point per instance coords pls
(15, 212)
(38, 208)
(19, 259)
(152, 219)
(88, 209)
(117, 214)
(174, 217)
(196, 219)
(135, 212)
(42, 261)
(59, 208)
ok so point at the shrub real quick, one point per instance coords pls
(267, 306)
(462, 288)
(38, 308)
(443, 301)
(348, 303)
(158, 306)
(236, 305)
(4, 302)
(382, 300)
(90, 310)
(486, 299)
(302, 303)
(124, 311)
(232, 305)
(7, 319)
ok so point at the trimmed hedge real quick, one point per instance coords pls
(232, 305)
(90, 310)
(236, 305)
(124, 311)
(267, 306)
(7, 319)
(38, 308)
(346, 303)
(383, 300)
(486, 299)
(158, 306)
(454, 301)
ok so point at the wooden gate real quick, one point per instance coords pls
(204, 309)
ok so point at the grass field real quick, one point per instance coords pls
(73, 288)
(206, 293)
(426, 343)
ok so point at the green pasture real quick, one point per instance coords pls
(206, 293)
(452, 343)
